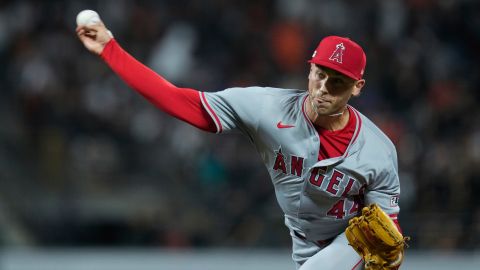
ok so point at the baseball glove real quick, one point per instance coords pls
(376, 238)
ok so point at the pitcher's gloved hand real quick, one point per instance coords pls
(377, 239)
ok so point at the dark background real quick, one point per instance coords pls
(84, 161)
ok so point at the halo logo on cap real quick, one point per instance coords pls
(338, 53)
(341, 54)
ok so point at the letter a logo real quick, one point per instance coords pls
(337, 55)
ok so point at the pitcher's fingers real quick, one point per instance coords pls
(95, 27)
(81, 27)
(84, 32)
(80, 31)
(91, 34)
(83, 37)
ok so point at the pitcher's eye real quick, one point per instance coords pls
(337, 81)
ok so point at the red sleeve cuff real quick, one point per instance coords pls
(394, 217)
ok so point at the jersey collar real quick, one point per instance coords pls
(352, 147)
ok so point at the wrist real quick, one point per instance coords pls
(107, 47)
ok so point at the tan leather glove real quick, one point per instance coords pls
(376, 238)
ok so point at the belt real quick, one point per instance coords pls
(319, 242)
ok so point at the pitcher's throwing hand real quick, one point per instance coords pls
(92, 32)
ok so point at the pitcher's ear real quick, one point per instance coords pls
(358, 87)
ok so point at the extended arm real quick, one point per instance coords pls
(182, 103)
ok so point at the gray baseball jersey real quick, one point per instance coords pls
(317, 197)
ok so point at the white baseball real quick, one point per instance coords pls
(87, 17)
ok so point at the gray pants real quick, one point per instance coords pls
(337, 255)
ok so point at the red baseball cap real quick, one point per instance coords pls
(341, 54)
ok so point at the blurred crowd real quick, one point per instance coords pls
(85, 161)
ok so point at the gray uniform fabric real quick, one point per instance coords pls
(337, 255)
(317, 197)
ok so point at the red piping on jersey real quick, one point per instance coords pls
(393, 216)
(355, 266)
(357, 128)
(359, 121)
(211, 112)
(308, 119)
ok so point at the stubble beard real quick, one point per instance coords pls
(326, 110)
(318, 109)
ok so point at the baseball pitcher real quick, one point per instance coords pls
(334, 172)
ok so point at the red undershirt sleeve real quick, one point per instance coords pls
(182, 103)
(394, 218)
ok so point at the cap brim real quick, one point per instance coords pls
(336, 68)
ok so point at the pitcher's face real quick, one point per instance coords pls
(329, 91)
